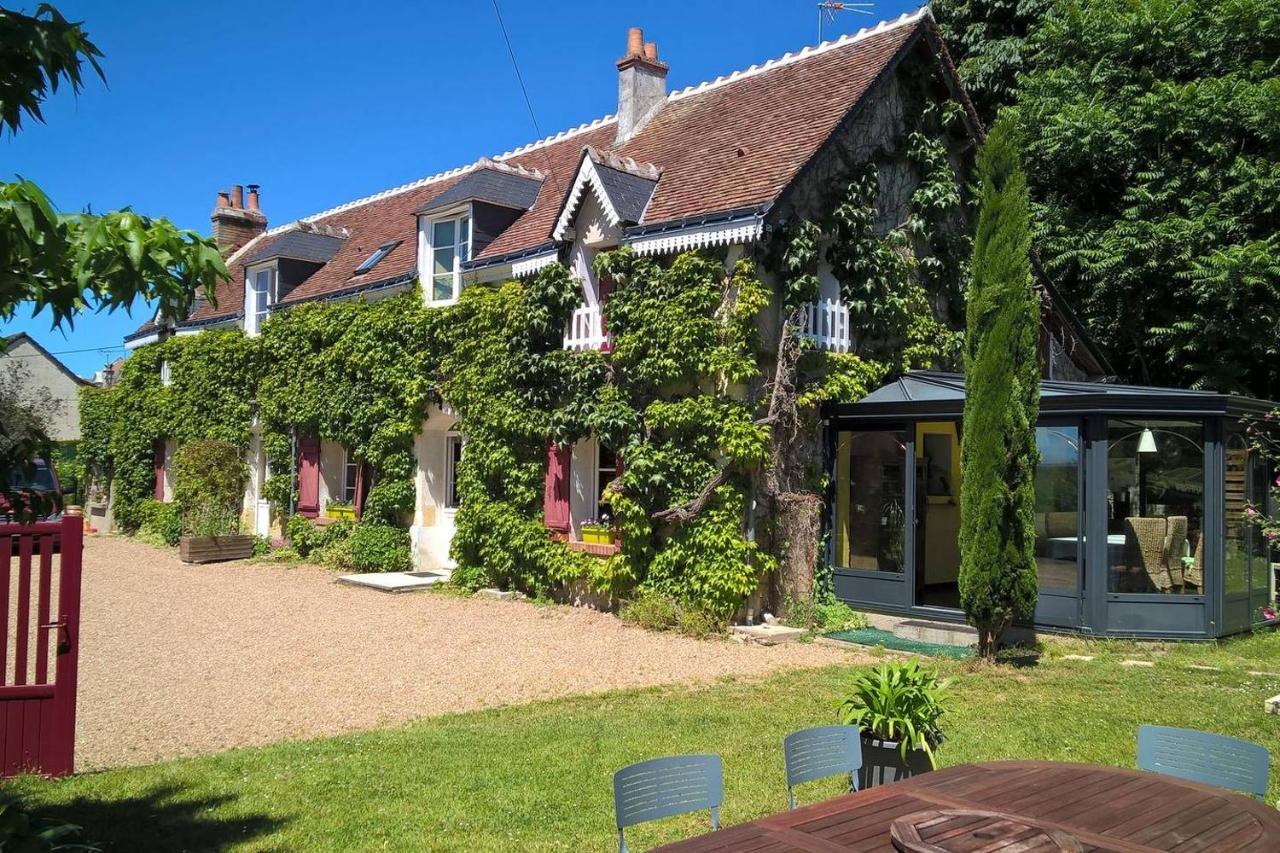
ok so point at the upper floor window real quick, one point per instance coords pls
(259, 294)
(450, 247)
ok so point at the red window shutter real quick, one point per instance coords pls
(309, 477)
(362, 487)
(555, 494)
(157, 450)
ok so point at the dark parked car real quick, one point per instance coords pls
(40, 491)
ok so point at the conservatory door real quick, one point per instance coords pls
(869, 519)
(1059, 523)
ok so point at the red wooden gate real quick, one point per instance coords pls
(37, 711)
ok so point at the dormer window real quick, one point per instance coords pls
(450, 248)
(378, 254)
(259, 296)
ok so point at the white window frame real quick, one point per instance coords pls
(166, 374)
(451, 500)
(599, 484)
(350, 476)
(426, 252)
(253, 318)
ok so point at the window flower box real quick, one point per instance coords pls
(339, 510)
(597, 534)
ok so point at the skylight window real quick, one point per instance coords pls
(378, 254)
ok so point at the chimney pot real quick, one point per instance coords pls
(651, 51)
(635, 42)
(237, 196)
(233, 225)
(253, 197)
(224, 199)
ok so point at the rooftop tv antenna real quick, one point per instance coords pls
(828, 11)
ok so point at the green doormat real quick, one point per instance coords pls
(876, 637)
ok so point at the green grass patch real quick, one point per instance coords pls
(538, 777)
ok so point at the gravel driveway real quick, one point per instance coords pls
(179, 660)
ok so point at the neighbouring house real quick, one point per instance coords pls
(41, 370)
(723, 165)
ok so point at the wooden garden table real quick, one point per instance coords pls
(1101, 808)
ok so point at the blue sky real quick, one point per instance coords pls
(323, 102)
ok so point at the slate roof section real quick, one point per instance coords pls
(733, 143)
(492, 186)
(629, 193)
(299, 245)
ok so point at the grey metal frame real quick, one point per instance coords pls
(662, 787)
(1101, 612)
(820, 752)
(1227, 762)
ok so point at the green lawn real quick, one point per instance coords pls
(538, 777)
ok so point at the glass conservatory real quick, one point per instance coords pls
(1141, 508)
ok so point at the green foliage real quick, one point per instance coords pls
(313, 540)
(1002, 401)
(655, 611)
(829, 614)
(208, 472)
(369, 548)
(1153, 155)
(208, 519)
(22, 832)
(898, 701)
(358, 373)
(990, 42)
(159, 521)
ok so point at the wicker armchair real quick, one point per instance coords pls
(1175, 546)
(1144, 548)
(1194, 576)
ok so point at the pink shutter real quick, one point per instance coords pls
(157, 450)
(555, 494)
(362, 487)
(309, 477)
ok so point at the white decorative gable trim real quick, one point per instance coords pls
(698, 237)
(587, 177)
(528, 266)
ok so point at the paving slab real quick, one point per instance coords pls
(1144, 663)
(500, 594)
(396, 581)
(767, 635)
(1273, 705)
(1077, 657)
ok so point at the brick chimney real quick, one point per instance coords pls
(642, 85)
(233, 223)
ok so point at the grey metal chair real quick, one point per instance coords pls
(662, 787)
(820, 752)
(1202, 757)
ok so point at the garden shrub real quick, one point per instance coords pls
(208, 473)
(370, 548)
(159, 521)
(312, 540)
(651, 610)
(829, 614)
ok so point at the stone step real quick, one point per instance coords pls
(397, 581)
(938, 633)
(767, 634)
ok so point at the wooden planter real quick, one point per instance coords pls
(215, 549)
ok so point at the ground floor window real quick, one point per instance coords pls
(1057, 507)
(1155, 506)
(870, 489)
(606, 471)
(452, 456)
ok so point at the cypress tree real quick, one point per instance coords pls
(1002, 401)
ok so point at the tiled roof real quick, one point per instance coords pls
(731, 143)
(629, 193)
(495, 186)
(299, 245)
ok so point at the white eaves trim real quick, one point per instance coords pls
(730, 233)
(587, 177)
(132, 345)
(526, 267)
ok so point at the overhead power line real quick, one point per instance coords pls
(520, 79)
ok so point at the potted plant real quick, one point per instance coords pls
(596, 532)
(340, 509)
(211, 534)
(897, 706)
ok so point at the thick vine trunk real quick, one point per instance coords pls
(786, 494)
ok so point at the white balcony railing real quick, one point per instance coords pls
(826, 323)
(586, 329)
